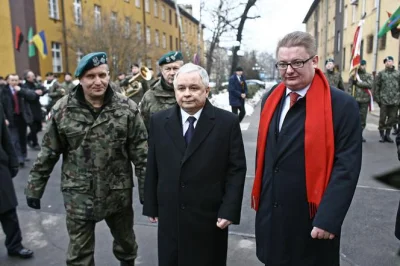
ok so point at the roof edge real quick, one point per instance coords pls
(311, 10)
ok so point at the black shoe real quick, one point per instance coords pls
(124, 263)
(27, 160)
(387, 136)
(363, 140)
(382, 134)
(21, 165)
(23, 253)
(36, 147)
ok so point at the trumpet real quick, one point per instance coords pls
(134, 83)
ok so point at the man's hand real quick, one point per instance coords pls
(7, 123)
(321, 234)
(17, 88)
(39, 92)
(223, 223)
(33, 203)
(243, 95)
(14, 171)
(153, 219)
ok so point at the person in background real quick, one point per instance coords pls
(333, 76)
(237, 89)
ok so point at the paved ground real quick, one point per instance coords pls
(367, 237)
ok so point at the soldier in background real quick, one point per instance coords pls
(387, 95)
(363, 85)
(99, 133)
(68, 85)
(162, 96)
(334, 78)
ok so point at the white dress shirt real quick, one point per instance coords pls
(286, 103)
(185, 122)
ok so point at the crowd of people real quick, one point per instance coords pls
(190, 162)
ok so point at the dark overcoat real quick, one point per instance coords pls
(283, 223)
(235, 89)
(8, 160)
(188, 189)
(7, 101)
(35, 105)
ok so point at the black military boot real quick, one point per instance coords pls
(395, 130)
(382, 134)
(387, 136)
(125, 263)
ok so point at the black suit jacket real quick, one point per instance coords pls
(7, 100)
(189, 188)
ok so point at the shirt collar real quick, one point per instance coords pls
(186, 115)
(301, 92)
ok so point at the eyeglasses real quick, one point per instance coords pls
(294, 64)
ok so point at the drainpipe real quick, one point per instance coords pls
(375, 51)
(64, 33)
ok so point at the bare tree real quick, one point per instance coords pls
(243, 18)
(117, 37)
(267, 61)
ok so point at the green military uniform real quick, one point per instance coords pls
(58, 90)
(98, 146)
(68, 86)
(362, 96)
(334, 79)
(387, 95)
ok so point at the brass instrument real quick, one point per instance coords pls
(134, 83)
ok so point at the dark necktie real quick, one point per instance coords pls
(293, 98)
(16, 102)
(189, 133)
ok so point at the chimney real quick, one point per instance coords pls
(187, 8)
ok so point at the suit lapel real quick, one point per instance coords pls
(204, 126)
(173, 126)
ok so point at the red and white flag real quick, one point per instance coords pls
(356, 51)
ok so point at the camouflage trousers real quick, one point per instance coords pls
(82, 239)
(387, 116)
(363, 109)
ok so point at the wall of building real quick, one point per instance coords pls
(7, 44)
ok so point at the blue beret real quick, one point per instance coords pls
(388, 58)
(90, 61)
(170, 57)
(363, 62)
(329, 60)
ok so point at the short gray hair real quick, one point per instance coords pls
(189, 68)
(298, 38)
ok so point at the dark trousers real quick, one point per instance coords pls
(10, 225)
(18, 137)
(35, 128)
(242, 111)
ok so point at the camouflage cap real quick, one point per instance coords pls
(90, 61)
(388, 58)
(329, 60)
(170, 57)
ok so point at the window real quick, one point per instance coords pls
(355, 11)
(79, 55)
(156, 8)
(163, 12)
(338, 42)
(344, 58)
(114, 19)
(53, 9)
(370, 43)
(148, 35)
(137, 3)
(176, 21)
(345, 17)
(176, 44)
(164, 41)
(376, 3)
(147, 6)
(57, 57)
(363, 7)
(148, 62)
(382, 42)
(138, 31)
(340, 6)
(170, 16)
(97, 16)
(127, 27)
(157, 38)
(78, 12)
(170, 43)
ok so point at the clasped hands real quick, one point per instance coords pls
(318, 233)
(221, 223)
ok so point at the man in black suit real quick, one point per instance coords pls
(309, 153)
(237, 89)
(8, 199)
(196, 169)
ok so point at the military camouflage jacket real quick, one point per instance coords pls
(56, 92)
(97, 147)
(387, 89)
(68, 86)
(361, 87)
(154, 100)
(334, 79)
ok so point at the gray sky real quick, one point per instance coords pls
(278, 17)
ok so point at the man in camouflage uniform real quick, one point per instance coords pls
(334, 78)
(58, 90)
(162, 96)
(387, 95)
(99, 133)
(363, 85)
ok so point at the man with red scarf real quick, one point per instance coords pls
(308, 161)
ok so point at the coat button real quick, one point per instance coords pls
(276, 205)
(182, 206)
(183, 185)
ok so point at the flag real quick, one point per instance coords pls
(31, 48)
(391, 23)
(356, 51)
(19, 38)
(40, 41)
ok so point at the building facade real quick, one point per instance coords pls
(154, 24)
(333, 23)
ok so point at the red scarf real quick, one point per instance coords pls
(319, 144)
